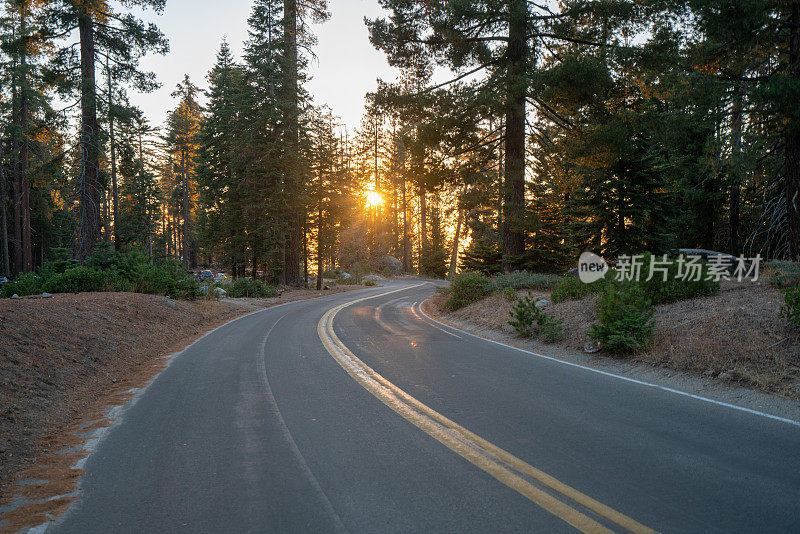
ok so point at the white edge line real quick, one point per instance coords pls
(627, 379)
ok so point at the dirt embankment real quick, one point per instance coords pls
(736, 336)
(66, 361)
(60, 355)
(66, 357)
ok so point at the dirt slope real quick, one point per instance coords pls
(59, 355)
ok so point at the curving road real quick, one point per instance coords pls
(358, 413)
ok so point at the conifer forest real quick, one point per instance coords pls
(517, 135)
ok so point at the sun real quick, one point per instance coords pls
(374, 199)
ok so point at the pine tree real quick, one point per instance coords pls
(183, 128)
(105, 37)
(223, 230)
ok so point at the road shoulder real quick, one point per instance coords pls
(714, 390)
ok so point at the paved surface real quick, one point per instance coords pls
(258, 428)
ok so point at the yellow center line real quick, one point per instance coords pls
(490, 458)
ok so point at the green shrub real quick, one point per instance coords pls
(625, 318)
(571, 288)
(106, 270)
(358, 271)
(466, 288)
(785, 274)
(525, 280)
(76, 280)
(387, 272)
(26, 284)
(510, 293)
(370, 283)
(246, 287)
(791, 304)
(525, 314)
(674, 289)
(83, 279)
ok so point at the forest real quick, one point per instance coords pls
(518, 135)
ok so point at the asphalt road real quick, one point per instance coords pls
(318, 416)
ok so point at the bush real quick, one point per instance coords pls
(26, 284)
(791, 304)
(674, 289)
(370, 283)
(525, 314)
(510, 294)
(525, 280)
(466, 288)
(784, 274)
(625, 318)
(84, 279)
(358, 271)
(246, 287)
(571, 288)
(106, 270)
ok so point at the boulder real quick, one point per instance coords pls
(47, 295)
(345, 276)
(591, 346)
(373, 278)
(391, 263)
(541, 303)
(730, 260)
(15, 296)
(220, 293)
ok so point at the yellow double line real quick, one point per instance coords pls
(505, 467)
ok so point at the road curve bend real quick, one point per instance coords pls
(357, 413)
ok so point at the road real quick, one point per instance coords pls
(357, 413)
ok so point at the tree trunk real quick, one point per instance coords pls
(456, 239)
(423, 218)
(305, 252)
(90, 187)
(792, 135)
(112, 149)
(25, 201)
(319, 241)
(514, 190)
(406, 244)
(735, 170)
(292, 176)
(3, 217)
(23, 256)
(185, 209)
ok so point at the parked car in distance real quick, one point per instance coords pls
(205, 275)
(3, 280)
(220, 277)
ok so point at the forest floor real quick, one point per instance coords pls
(736, 336)
(66, 361)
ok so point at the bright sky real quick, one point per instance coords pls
(346, 69)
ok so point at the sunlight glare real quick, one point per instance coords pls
(374, 199)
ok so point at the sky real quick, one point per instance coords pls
(346, 67)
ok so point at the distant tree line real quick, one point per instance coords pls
(611, 125)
